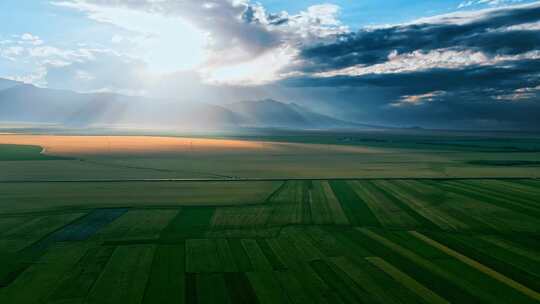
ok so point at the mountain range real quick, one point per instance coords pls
(25, 103)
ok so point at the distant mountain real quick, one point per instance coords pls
(29, 104)
(319, 119)
(6, 83)
(267, 113)
(272, 113)
(168, 114)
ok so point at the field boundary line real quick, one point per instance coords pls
(407, 281)
(275, 193)
(260, 179)
(478, 266)
(119, 165)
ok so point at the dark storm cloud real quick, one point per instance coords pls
(494, 32)
(466, 110)
(470, 97)
(499, 89)
(506, 75)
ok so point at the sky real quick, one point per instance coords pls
(444, 64)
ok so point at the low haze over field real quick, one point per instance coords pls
(305, 64)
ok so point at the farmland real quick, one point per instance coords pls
(305, 156)
(222, 226)
(336, 241)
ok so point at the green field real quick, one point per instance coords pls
(309, 241)
(305, 155)
(24, 153)
(423, 221)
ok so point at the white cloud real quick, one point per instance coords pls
(39, 63)
(462, 17)
(105, 70)
(416, 100)
(488, 2)
(117, 39)
(414, 61)
(36, 77)
(47, 51)
(519, 94)
(11, 49)
(268, 68)
(313, 25)
(215, 37)
(31, 39)
(167, 43)
(11, 52)
(531, 26)
(421, 61)
(84, 75)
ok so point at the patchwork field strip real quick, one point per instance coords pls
(387, 212)
(488, 271)
(125, 276)
(407, 281)
(337, 241)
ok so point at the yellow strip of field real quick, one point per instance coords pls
(63, 145)
(428, 264)
(404, 279)
(335, 207)
(91, 145)
(480, 267)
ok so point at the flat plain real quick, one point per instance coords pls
(303, 156)
(304, 221)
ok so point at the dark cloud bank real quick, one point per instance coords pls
(500, 91)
